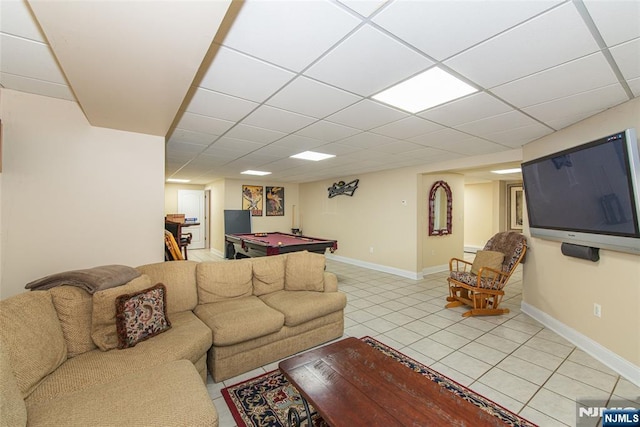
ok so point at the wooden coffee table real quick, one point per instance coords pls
(351, 383)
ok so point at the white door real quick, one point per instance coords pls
(191, 204)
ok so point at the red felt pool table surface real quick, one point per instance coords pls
(274, 243)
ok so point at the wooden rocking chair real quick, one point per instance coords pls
(480, 284)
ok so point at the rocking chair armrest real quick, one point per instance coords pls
(457, 264)
(493, 276)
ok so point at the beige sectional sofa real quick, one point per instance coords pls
(60, 365)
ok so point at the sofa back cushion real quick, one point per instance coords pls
(30, 329)
(268, 274)
(304, 271)
(180, 280)
(103, 317)
(13, 410)
(219, 281)
(74, 307)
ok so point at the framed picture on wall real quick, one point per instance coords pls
(515, 199)
(275, 201)
(252, 199)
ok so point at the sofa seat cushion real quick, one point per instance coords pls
(188, 339)
(302, 306)
(239, 320)
(172, 394)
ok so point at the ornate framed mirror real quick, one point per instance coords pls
(440, 205)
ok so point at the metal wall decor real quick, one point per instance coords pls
(341, 187)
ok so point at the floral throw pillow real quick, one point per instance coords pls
(141, 315)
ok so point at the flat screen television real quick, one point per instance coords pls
(587, 195)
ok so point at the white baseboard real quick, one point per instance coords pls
(596, 350)
(435, 269)
(378, 267)
(472, 249)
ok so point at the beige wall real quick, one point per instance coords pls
(74, 196)
(216, 217)
(480, 211)
(566, 288)
(373, 218)
(438, 250)
(171, 195)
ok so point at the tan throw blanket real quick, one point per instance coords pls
(91, 280)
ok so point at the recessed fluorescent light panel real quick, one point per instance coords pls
(426, 90)
(506, 171)
(181, 181)
(258, 173)
(312, 155)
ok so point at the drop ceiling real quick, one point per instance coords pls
(282, 77)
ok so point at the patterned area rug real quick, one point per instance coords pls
(265, 400)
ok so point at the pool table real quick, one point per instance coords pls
(274, 243)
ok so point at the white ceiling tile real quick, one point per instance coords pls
(298, 142)
(552, 38)
(38, 87)
(16, 19)
(363, 7)
(312, 98)
(368, 62)
(218, 105)
(29, 58)
(517, 137)
(276, 119)
(454, 141)
(338, 149)
(398, 147)
(561, 112)
(443, 28)
(289, 33)
(617, 20)
(235, 145)
(407, 128)
(366, 115)
(183, 147)
(183, 135)
(634, 84)
(254, 134)
(366, 140)
(474, 107)
(327, 131)
(501, 122)
(627, 56)
(203, 124)
(234, 73)
(577, 76)
(427, 154)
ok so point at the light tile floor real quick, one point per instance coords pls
(510, 359)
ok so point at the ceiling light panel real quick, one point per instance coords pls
(257, 173)
(313, 156)
(428, 89)
(506, 171)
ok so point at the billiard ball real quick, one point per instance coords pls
(279, 243)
